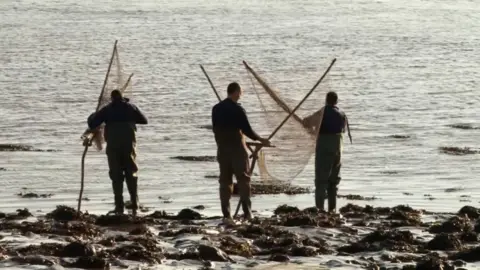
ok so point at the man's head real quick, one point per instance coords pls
(234, 91)
(116, 95)
(331, 98)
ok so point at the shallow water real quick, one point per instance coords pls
(405, 69)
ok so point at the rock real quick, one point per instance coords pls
(469, 237)
(356, 197)
(188, 214)
(23, 213)
(459, 263)
(33, 260)
(351, 208)
(46, 249)
(199, 207)
(196, 158)
(469, 211)
(468, 255)
(303, 251)
(78, 249)
(236, 247)
(91, 262)
(209, 253)
(433, 262)
(457, 151)
(453, 224)
(279, 258)
(64, 213)
(444, 241)
(115, 220)
(33, 195)
(140, 230)
(285, 209)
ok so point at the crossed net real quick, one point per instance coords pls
(268, 106)
(116, 78)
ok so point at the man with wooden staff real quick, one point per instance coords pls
(120, 118)
(330, 123)
(230, 123)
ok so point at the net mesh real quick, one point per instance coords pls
(267, 107)
(295, 140)
(116, 79)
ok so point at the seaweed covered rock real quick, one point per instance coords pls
(209, 253)
(46, 249)
(137, 252)
(285, 209)
(468, 255)
(188, 214)
(444, 241)
(117, 220)
(33, 260)
(186, 230)
(64, 213)
(236, 247)
(433, 262)
(91, 262)
(393, 240)
(453, 224)
(469, 211)
(279, 258)
(78, 249)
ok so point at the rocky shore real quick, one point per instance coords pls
(363, 237)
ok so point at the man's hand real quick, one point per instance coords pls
(265, 142)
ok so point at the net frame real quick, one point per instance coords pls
(310, 124)
(112, 81)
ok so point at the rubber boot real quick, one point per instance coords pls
(332, 199)
(132, 182)
(118, 195)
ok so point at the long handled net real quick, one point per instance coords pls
(295, 140)
(115, 78)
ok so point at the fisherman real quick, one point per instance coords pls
(120, 118)
(331, 122)
(230, 123)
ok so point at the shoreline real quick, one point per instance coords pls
(362, 237)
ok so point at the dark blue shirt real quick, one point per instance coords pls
(229, 115)
(117, 111)
(333, 120)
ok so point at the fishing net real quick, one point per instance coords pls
(116, 78)
(267, 107)
(295, 140)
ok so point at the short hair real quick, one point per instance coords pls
(332, 98)
(233, 87)
(116, 94)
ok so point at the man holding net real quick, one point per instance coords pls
(120, 118)
(330, 123)
(230, 122)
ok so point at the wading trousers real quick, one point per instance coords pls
(327, 170)
(122, 165)
(234, 163)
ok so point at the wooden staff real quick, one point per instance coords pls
(211, 84)
(88, 139)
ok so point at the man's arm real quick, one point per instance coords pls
(139, 117)
(97, 118)
(313, 120)
(245, 126)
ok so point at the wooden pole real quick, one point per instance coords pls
(303, 100)
(88, 139)
(211, 84)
